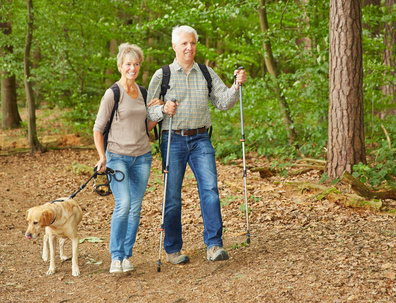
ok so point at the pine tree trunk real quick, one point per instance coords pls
(32, 132)
(346, 146)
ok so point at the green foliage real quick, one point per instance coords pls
(383, 169)
(73, 65)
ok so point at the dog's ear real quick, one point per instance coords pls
(47, 217)
(27, 214)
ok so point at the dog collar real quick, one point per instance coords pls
(53, 221)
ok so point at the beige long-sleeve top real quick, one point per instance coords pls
(127, 134)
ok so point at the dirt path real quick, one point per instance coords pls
(300, 251)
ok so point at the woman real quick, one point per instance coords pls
(129, 151)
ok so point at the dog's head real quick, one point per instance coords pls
(37, 218)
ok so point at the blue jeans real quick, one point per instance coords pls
(198, 152)
(128, 195)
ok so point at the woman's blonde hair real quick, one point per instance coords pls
(132, 50)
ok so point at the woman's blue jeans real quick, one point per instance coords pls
(198, 152)
(128, 195)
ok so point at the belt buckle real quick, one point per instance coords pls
(182, 132)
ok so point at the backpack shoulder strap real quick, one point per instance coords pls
(206, 74)
(144, 93)
(165, 81)
(116, 91)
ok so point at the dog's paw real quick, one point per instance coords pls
(64, 258)
(75, 272)
(45, 258)
(51, 271)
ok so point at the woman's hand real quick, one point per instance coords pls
(155, 101)
(101, 166)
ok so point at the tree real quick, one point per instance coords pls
(32, 132)
(389, 89)
(272, 69)
(9, 107)
(346, 142)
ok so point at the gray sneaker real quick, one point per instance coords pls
(115, 267)
(126, 265)
(177, 258)
(216, 253)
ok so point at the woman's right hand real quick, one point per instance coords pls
(101, 166)
(155, 101)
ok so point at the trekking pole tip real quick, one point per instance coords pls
(159, 266)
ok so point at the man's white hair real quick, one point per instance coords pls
(177, 30)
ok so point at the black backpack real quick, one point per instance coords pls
(116, 91)
(165, 85)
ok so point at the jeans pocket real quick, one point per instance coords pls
(148, 157)
(111, 156)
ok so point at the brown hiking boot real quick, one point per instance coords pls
(177, 258)
(216, 253)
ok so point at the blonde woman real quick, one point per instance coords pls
(128, 151)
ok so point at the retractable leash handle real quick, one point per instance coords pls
(244, 161)
(166, 172)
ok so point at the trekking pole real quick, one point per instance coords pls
(244, 162)
(166, 172)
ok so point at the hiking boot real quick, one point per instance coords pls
(177, 258)
(115, 267)
(126, 265)
(216, 253)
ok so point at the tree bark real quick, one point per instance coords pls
(272, 69)
(9, 107)
(346, 146)
(32, 132)
(111, 70)
(389, 89)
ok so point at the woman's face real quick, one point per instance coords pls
(130, 68)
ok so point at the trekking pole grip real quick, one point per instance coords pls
(239, 68)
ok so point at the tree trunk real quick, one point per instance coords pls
(272, 69)
(32, 132)
(9, 107)
(111, 70)
(389, 89)
(346, 145)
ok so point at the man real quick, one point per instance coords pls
(190, 142)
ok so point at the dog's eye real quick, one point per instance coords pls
(35, 222)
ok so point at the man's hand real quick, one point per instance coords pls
(170, 107)
(240, 77)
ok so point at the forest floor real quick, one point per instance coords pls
(302, 249)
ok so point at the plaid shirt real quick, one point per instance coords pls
(191, 93)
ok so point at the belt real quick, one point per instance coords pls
(188, 132)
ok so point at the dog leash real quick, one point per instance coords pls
(110, 174)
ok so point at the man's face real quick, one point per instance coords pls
(185, 49)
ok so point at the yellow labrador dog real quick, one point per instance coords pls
(59, 218)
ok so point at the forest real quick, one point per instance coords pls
(319, 109)
(62, 54)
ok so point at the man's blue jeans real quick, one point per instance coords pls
(198, 152)
(128, 195)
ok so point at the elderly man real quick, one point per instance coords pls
(190, 142)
